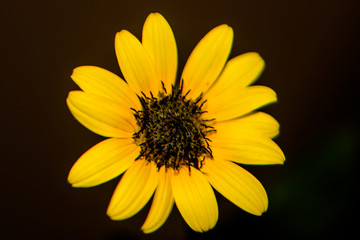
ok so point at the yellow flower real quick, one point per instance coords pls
(177, 138)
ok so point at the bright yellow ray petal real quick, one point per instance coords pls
(101, 82)
(258, 122)
(136, 64)
(244, 146)
(158, 39)
(239, 72)
(207, 60)
(103, 162)
(102, 116)
(237, 185)
(234, 103)
(195, 199)
(134, 190)
(162, 203)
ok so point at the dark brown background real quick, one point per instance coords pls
(311, 49)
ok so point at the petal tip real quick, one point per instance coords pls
(110, 212)
(148, 230)
(225, 26)
(282, 157)
(120, 34)
(71, 181)
(228, 30)
(155, 14)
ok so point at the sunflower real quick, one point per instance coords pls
(175, 139)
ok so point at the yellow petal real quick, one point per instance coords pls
(102, 116)
(195, 199)
(237, 185)
(162, 203)
(238, 73)
(259, 122)
(207, 60)
(233, 103)
(136, 64)
(101, 82)
(103, 162)
(158, 39)
(134, 190)
(244, 146)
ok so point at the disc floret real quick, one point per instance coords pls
(172, 131)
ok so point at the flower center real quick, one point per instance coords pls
(172, 130)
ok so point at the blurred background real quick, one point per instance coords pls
(311, 51)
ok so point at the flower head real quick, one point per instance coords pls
(175, 138)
